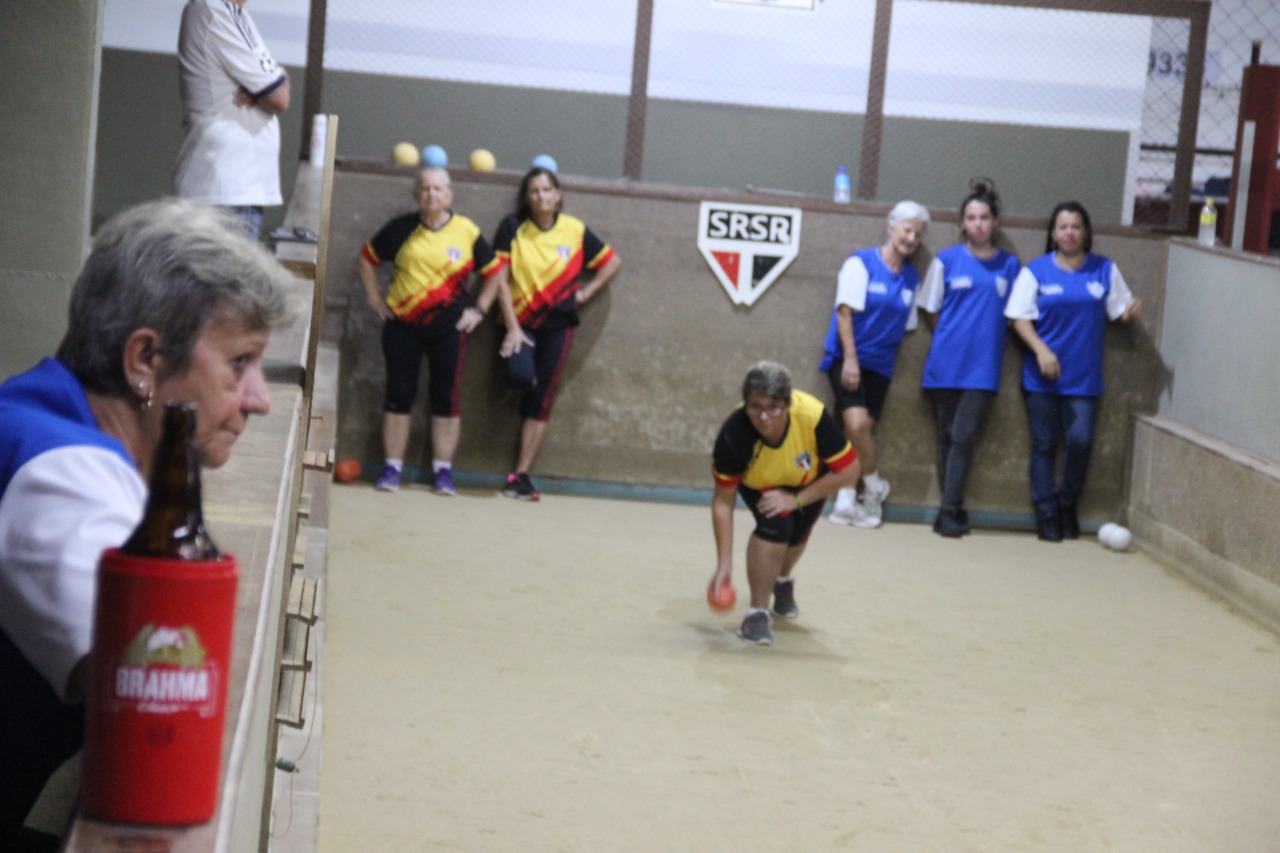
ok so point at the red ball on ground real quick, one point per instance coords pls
(721, 599)
(347, 470)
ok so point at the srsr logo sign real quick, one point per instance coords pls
(747, 246)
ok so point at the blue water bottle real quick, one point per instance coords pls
(842, 194)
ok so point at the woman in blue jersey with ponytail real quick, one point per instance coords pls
(875, 308)
(965, 288)
(1060, 306)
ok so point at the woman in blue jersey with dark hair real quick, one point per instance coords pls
(875, 308)
(965, 288)
(1060, 306)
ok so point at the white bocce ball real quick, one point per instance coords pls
(1105, 532)
(1121, 539)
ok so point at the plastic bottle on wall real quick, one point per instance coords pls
(319, 138)
(1208, 223)
(842, 193)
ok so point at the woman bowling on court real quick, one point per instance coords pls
(784, 454)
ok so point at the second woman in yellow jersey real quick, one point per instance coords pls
(543, 253)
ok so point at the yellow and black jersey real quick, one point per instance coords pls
(812, 443)
(432, 267)
(546, 265)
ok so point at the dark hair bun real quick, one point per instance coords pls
(984, 186)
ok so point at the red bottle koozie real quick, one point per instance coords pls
(158, 689)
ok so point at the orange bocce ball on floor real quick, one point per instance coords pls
(347, 470)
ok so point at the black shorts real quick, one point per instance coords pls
(792, 529)
(871, 393)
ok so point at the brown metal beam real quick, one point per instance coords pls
(1189, 120)
(873, 124)
(637, 104)
(314, 73)
(1149, 8)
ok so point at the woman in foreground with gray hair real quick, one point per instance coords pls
(173, 304)
(875, 308)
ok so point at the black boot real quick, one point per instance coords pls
(948, 524)
(963, 515)
(1070, 521)
(1049, 526)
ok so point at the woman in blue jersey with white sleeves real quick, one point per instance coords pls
(875, 308)
(966, 287)
(1060, 306)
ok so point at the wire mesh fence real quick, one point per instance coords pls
(917, 95)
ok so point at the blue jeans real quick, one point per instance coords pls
(1056, 420)
(251, 217)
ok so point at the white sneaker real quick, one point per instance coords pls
(870, 516)
(846, 508)
(846, 518)
(866, 517)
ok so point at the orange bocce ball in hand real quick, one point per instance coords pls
(722, 599)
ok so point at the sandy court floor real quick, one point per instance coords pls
(503, 676)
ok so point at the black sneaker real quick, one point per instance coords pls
(1070, 521)
(755, 629)
(948, 524)
(520, 487)
(784, 600)
(1048, 527)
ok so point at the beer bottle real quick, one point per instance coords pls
(173, 524)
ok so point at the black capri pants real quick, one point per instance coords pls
(445, 348)
(535, 371)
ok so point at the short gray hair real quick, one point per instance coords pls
(767, 378)
(904, 210)
(174, 266)
(428, 170)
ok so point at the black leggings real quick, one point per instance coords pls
(960, 414)
(535, 371)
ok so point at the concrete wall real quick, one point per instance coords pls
(1205, 483)
(49, 99)
(1220, 339)
(1208, 508)
(660, 355)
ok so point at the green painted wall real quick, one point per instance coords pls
(688, 144)
(48, 98)
(140, 131)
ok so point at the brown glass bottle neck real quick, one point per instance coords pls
(173, 524)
